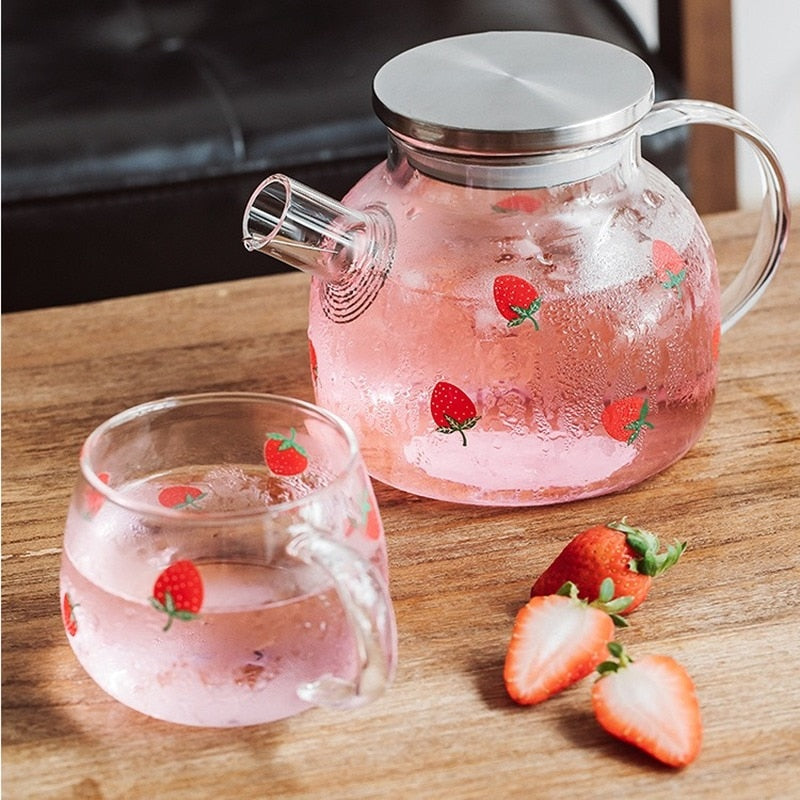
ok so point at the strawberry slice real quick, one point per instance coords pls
(557, 640)
(650, 703)
(178, 592)
(452, 410)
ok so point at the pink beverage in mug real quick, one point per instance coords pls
(550, 345)
(195, 595)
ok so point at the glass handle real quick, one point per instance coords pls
(368, 606)
(743, 291)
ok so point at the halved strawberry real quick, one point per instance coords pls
(650, 703)
(557, 640)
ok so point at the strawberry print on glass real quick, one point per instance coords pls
(283, 455)
(452, 410)
(178, 592)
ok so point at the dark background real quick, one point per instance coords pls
(133, 131)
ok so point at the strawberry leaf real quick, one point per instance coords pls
(619, 659)
(606, 592)
(568, 589)
(650, 562)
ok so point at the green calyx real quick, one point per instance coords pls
(454, 426)
(649, 561)
(524, 313)
(674, 280)
(620, 659)
(639, 424)
(168, 608)
(613, 606)
(287, 442)
(191, 501)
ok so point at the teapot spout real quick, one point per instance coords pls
(313, 232)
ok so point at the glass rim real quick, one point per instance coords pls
(215, 517)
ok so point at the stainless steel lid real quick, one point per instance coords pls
(512, 92)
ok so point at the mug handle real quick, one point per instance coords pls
(366, 601)
(743, 291)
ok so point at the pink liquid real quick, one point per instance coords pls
(240, 663)
(267, 625)
(608, 329)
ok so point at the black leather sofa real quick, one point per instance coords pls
(133, 131)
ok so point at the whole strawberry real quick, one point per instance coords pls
(629, 556)
(178, 592)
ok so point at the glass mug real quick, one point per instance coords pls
(224, 562)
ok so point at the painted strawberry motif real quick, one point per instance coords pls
(178, 592)
(715, 337)
(370, 517)
(312, 360)
(517, 202)
(93, 499)
(516, 299)
(181, 497)
(625, 419)
(367, 520)
(68, 612)
(670, 267)
(283, 455)
(452, 410)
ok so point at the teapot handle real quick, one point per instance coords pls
(743, 291)
(368, 606)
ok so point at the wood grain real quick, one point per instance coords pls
(707, 43)
(729, 612)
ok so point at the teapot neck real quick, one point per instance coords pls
(520, 171)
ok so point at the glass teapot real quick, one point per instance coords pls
(515, 308)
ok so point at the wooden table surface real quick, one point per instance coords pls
(728, 611)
